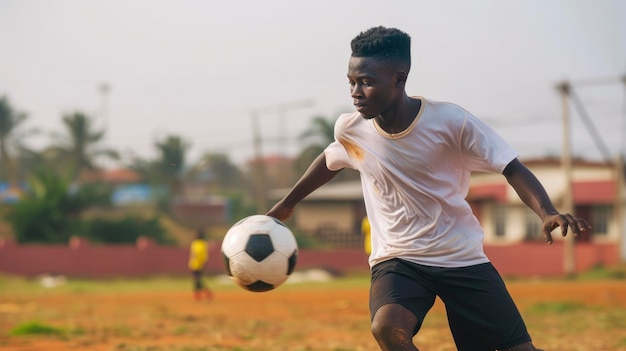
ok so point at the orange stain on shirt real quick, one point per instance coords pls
(354, 151)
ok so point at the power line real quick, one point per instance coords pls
(595, 135)
(261, 176)
(567, 88)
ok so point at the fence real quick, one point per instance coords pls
(338, 238)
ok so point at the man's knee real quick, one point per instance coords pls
(393, 328)
(393, 337)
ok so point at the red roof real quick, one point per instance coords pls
(112, 176)
(584, 192)
(594, 192)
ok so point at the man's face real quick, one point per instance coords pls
(373, 85)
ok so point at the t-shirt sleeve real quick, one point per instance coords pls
(337, 156)
(483, 148)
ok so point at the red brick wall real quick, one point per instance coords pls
(79, 259)
(83, 260)
(540, 259)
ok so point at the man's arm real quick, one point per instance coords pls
(533, 194)
(316, 175)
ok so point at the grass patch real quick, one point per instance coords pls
(621, 343)
(557, 307)
(611, 319)
(604, 273)
(180, 330)
(35, 328)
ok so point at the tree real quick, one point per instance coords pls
(224, 178)
(218, 170)
(171, 163)
(49, 211)
(322, 131)
(320, 134)
(81, 145)
(167, 169)
(10, 119)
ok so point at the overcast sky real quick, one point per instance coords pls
(199, 69)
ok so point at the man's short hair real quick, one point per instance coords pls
(200, 234)
(389, 44)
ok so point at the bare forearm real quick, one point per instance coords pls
(529, 189)
(534, 196)
(316, 175)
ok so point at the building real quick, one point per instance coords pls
(332, 213)
(506, 219)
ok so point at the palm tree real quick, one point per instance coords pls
(167, 169)
(9, 122)
(172, 151)
(322, 129)
(218, 170)
(320, 135)
(80, 146)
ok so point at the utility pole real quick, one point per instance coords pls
(619, 187)
(259, 162)
(259, 166)
(281, 110)
(618, 204)
(569, 255)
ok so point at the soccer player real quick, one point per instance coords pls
(198, 256)
(415, 156)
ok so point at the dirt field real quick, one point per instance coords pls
(561, 316)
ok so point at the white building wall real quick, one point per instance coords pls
(552, 178)
(310, 216)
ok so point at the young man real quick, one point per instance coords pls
(415, 156)
(198, 257)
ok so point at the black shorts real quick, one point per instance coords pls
(481, 313)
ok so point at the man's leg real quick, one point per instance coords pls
(197, 284)
(399, 300)
(393, 327)
(481, 313)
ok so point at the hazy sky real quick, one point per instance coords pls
(199, 68)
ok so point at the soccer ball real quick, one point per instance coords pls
(259, 252)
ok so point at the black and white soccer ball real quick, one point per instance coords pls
(259, 252)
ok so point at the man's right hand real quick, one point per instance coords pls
(315, 176)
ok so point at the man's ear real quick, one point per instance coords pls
(401, 79)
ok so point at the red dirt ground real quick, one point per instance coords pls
(294, 319)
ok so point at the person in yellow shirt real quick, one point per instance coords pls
(198, 257)
(365, 231)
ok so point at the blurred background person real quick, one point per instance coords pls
(365, 231)
(198, 257)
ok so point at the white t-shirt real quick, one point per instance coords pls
(415, 182)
